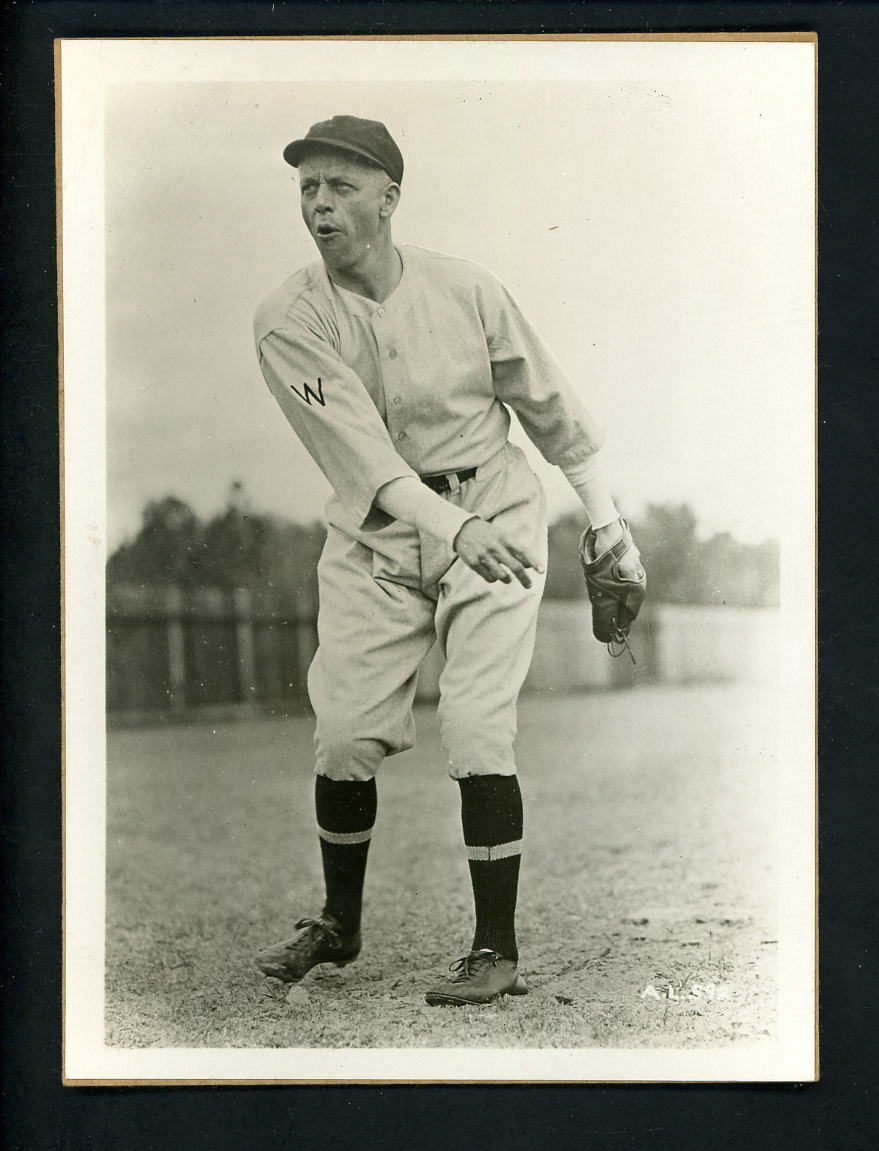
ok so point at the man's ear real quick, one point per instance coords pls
(390, 200)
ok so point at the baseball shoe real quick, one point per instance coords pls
(480, 977)
(319, 941)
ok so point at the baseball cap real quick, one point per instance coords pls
(367, 138)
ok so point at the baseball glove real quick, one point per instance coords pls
(617, 587)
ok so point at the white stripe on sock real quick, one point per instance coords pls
(499, 851)
(345, 836)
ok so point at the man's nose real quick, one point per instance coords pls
(323, 198)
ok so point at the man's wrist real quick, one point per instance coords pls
(598, 541)
(469, 520)
(607, 534)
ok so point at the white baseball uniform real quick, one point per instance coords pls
(419, 385)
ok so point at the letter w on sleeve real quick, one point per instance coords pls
(334, 416)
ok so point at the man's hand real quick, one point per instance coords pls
(604, 538)
(493, 555)
(615, 581)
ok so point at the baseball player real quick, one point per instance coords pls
(396, 367)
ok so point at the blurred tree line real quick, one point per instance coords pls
(237, 548)
(241, 548)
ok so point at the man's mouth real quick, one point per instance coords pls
(324, 231)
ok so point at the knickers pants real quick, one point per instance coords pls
(385, 596)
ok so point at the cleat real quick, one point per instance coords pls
(480, 977)
(319, 941)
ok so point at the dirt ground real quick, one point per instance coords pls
(647, 901)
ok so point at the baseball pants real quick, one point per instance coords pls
(385, 602)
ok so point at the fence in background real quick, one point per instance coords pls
(170, 651)
(177, 653)
(671, 643)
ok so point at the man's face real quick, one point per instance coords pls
(345, 206)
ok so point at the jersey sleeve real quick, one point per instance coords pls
(527, 377)
(333, 415)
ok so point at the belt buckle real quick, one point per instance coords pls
(442, 482)
(437, 482)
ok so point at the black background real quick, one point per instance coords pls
(37, 1112)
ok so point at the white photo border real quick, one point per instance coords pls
(84, 69)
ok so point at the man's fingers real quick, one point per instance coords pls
(494, 557)
(492, 570)
(481, 562)
(508, 557)
(526, 556)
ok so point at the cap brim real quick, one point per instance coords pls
(296, 149)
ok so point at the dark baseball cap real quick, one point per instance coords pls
(367, 138)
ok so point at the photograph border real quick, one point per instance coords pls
(804, 37)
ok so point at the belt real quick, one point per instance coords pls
(448, 481)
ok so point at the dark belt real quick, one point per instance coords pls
(441, 483)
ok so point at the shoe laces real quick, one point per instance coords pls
(469, 966)
(328, 930)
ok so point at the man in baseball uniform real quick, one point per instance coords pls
(396, 367)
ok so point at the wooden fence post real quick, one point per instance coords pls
(243, 607)
(176, 648)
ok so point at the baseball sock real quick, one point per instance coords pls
(491, 815)
(345, 812)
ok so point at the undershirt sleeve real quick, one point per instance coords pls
(410, 501)
(590, 483)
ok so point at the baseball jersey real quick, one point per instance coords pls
(414, 385)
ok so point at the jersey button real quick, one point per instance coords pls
(380, 312)
(392, 354)
(398, 399)
(401, 435)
